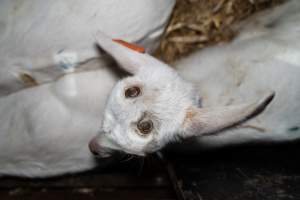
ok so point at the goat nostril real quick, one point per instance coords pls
(98, 150)
(93, 146)
(95, 153)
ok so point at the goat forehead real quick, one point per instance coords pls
(133, 109)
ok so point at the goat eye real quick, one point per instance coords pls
(145, 127)
(132, 92)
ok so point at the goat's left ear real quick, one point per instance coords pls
(206, 121)
(130, 60)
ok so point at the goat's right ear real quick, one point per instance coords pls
(130, 60)
(207, 121)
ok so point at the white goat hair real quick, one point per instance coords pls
(50, 38)
(46, 129)
(265, 56)
(155, 106)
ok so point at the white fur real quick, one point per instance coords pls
(166, 100)
(51, 38)
(265, 56)
(45, 130)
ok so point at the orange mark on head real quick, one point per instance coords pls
(130, 45)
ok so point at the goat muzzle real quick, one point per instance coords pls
(98, 150)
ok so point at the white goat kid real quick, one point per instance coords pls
(155, 106)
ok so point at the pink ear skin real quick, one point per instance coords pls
(130, 45)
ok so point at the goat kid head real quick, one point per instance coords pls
(156, 106)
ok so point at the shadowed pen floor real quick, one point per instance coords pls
(240, 173)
